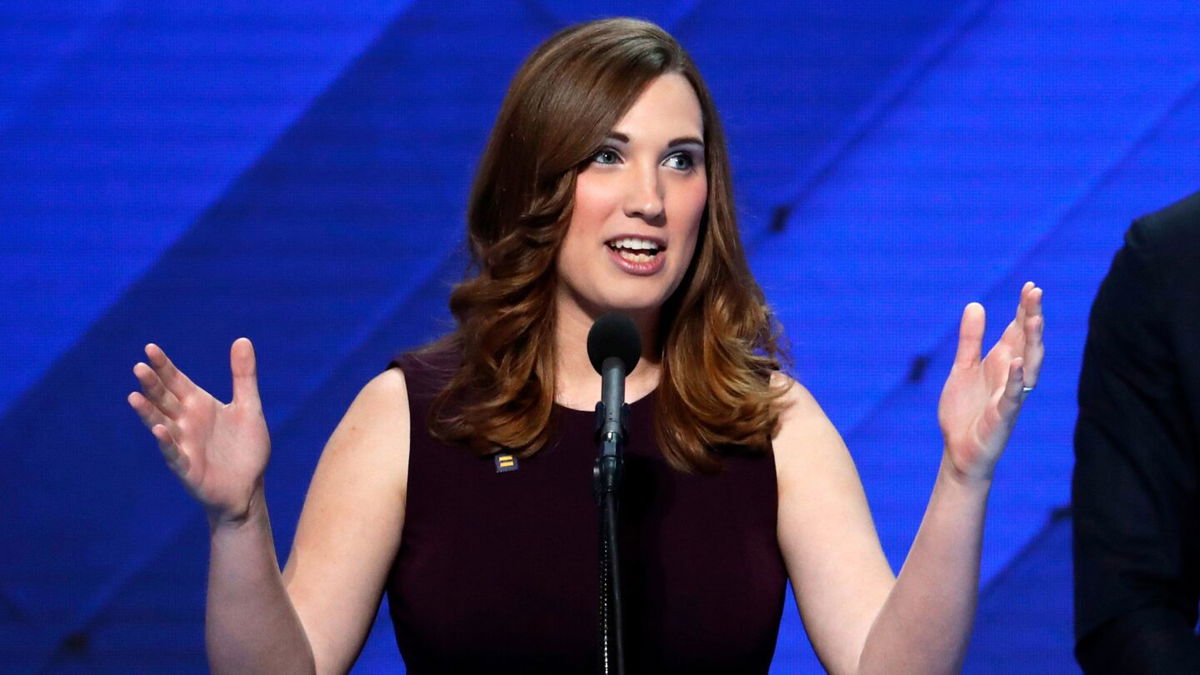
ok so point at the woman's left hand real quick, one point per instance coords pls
(981, 398)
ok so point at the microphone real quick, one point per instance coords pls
(614, 348)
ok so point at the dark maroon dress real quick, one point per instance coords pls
(497, 570)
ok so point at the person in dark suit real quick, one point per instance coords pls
(1136, 508)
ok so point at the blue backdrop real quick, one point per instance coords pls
(297, 172)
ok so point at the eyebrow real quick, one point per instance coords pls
(682, 140)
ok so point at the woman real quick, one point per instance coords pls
(605, 186)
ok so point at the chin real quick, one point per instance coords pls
(635, 301)
(618, 293)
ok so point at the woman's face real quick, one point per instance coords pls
(638, 206)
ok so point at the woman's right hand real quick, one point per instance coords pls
(219, 450)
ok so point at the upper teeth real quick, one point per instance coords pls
(631, 243)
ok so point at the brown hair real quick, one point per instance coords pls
(717, 335)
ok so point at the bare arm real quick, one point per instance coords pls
(251, 624)
(314, 616)
(861, 618)
(924, 625)
(351, 524)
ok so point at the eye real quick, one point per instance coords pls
(606, 156)
(682, 161)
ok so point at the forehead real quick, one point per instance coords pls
(667, 107)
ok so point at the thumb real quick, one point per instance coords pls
(245, 372)
(970, 335)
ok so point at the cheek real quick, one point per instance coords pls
(587, 219)
(593, 202)
(693, 201)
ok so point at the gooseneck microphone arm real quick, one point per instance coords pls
(611, 413)
(614, 348)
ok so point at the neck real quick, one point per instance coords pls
(577, 384)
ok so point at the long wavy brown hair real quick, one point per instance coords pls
(717, 336)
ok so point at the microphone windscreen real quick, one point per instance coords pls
(614, 334)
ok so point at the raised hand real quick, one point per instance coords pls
(981, 398)
(219, 450)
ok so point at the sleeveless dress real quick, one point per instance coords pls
(497, 569)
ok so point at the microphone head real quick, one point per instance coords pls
(614, 334)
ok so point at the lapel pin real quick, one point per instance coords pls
(505, 462)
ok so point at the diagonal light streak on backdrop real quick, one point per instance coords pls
(1059, 218)
(104, 595)
(870, 116)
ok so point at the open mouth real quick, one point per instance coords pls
(636, 250)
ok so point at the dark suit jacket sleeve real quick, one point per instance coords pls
(1134, 492)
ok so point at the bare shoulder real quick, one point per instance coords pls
(373, 434)
(362, 473)
(805, 433)
(369, 448)
(797, 400)
(382, 401)
(815, 474)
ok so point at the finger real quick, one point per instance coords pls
(174, 380)
(146, 410)
(1035, 349)
(970, 335)
(245, 372)
(1014, 389)
(1023, 302)
(170, 450)
(1013, 331)
(1014, 337)
(1034, 302)
(156, 391)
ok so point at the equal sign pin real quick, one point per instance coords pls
(505, 463)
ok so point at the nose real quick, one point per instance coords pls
(644, 195)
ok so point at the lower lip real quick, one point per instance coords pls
(638, 268)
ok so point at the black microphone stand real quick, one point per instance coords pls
(611, 430)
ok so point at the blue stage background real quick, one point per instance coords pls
(297, 171)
